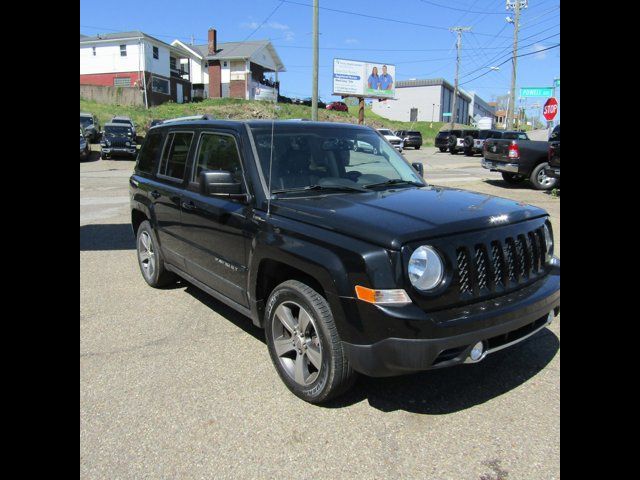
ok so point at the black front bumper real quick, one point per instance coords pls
(445, 338)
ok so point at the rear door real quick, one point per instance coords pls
(214, 227)
(167, 192)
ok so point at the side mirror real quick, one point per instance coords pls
(220, 183)
(419, 168)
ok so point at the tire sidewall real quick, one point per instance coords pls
(534, 178)
(317, 390)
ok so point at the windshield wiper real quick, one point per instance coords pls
(394, 181)
(343, 188)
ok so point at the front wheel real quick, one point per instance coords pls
(540, 180)
(417, 147)
(304, 343)
(443, 149)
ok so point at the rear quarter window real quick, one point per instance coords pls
(149, 153)
(174, 157)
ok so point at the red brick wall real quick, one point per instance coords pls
(237, 88)
(106, 79)
(215, 79)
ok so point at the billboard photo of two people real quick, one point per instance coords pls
(352, 77)
(380, 80)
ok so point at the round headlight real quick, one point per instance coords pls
(426, 269)
(548, 242)
(128, 144)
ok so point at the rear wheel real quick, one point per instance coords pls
(512, 178)
(417, 147)
(304, 343)
(540, 180)
(443, 149)
(150, 258)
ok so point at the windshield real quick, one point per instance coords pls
(117, 120)
(118, 131)
(414, 134)
(86, 121)
(385, 132)
(443, 134)
(346, 157)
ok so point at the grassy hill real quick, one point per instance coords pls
(232, 108)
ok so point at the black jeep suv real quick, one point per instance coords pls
(348, 260)
(117, 139)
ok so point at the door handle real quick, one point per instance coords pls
(188, 205)
(155, 194)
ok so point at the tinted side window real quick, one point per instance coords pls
(149, 153)
(218, 152)
(174, 157)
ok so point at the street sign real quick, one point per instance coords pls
(536, 92)
(448, 114)
(556, 82)
(550, 109)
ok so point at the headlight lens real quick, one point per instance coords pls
(426, 269)
(128, 144)
(548, 241)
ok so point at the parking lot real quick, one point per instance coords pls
(174, 384)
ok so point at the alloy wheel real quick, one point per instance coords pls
(296, 343)
(146, 254)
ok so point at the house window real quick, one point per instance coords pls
(93, 49)
(123, 50)
(172, 63)
(160, 85)
(156, 54)
(122, 82)
(224, 64)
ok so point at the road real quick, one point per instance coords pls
(174, 384)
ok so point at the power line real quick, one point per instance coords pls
(509, 59)
(461, 9)
(385, 19)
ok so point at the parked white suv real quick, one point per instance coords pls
(394, 140)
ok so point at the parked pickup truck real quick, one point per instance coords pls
(519, 159)
(553, 170)
(348, 260)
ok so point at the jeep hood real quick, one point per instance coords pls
(391, 218)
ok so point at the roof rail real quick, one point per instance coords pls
(205, 116)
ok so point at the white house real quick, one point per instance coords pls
(134, 59)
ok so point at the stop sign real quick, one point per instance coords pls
(550, 109)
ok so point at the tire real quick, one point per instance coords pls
(417, 147)
(468, 141)
(290, 349)
(150, 258)
(443, 149)
(104, 156)
(512, 178)
(539, 180)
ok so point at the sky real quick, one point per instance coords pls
(413, 35)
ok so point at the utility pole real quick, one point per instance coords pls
(516, 5)
(454, 112)
(314, 82)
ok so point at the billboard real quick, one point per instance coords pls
(363, 79)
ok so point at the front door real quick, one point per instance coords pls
(214, 227)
